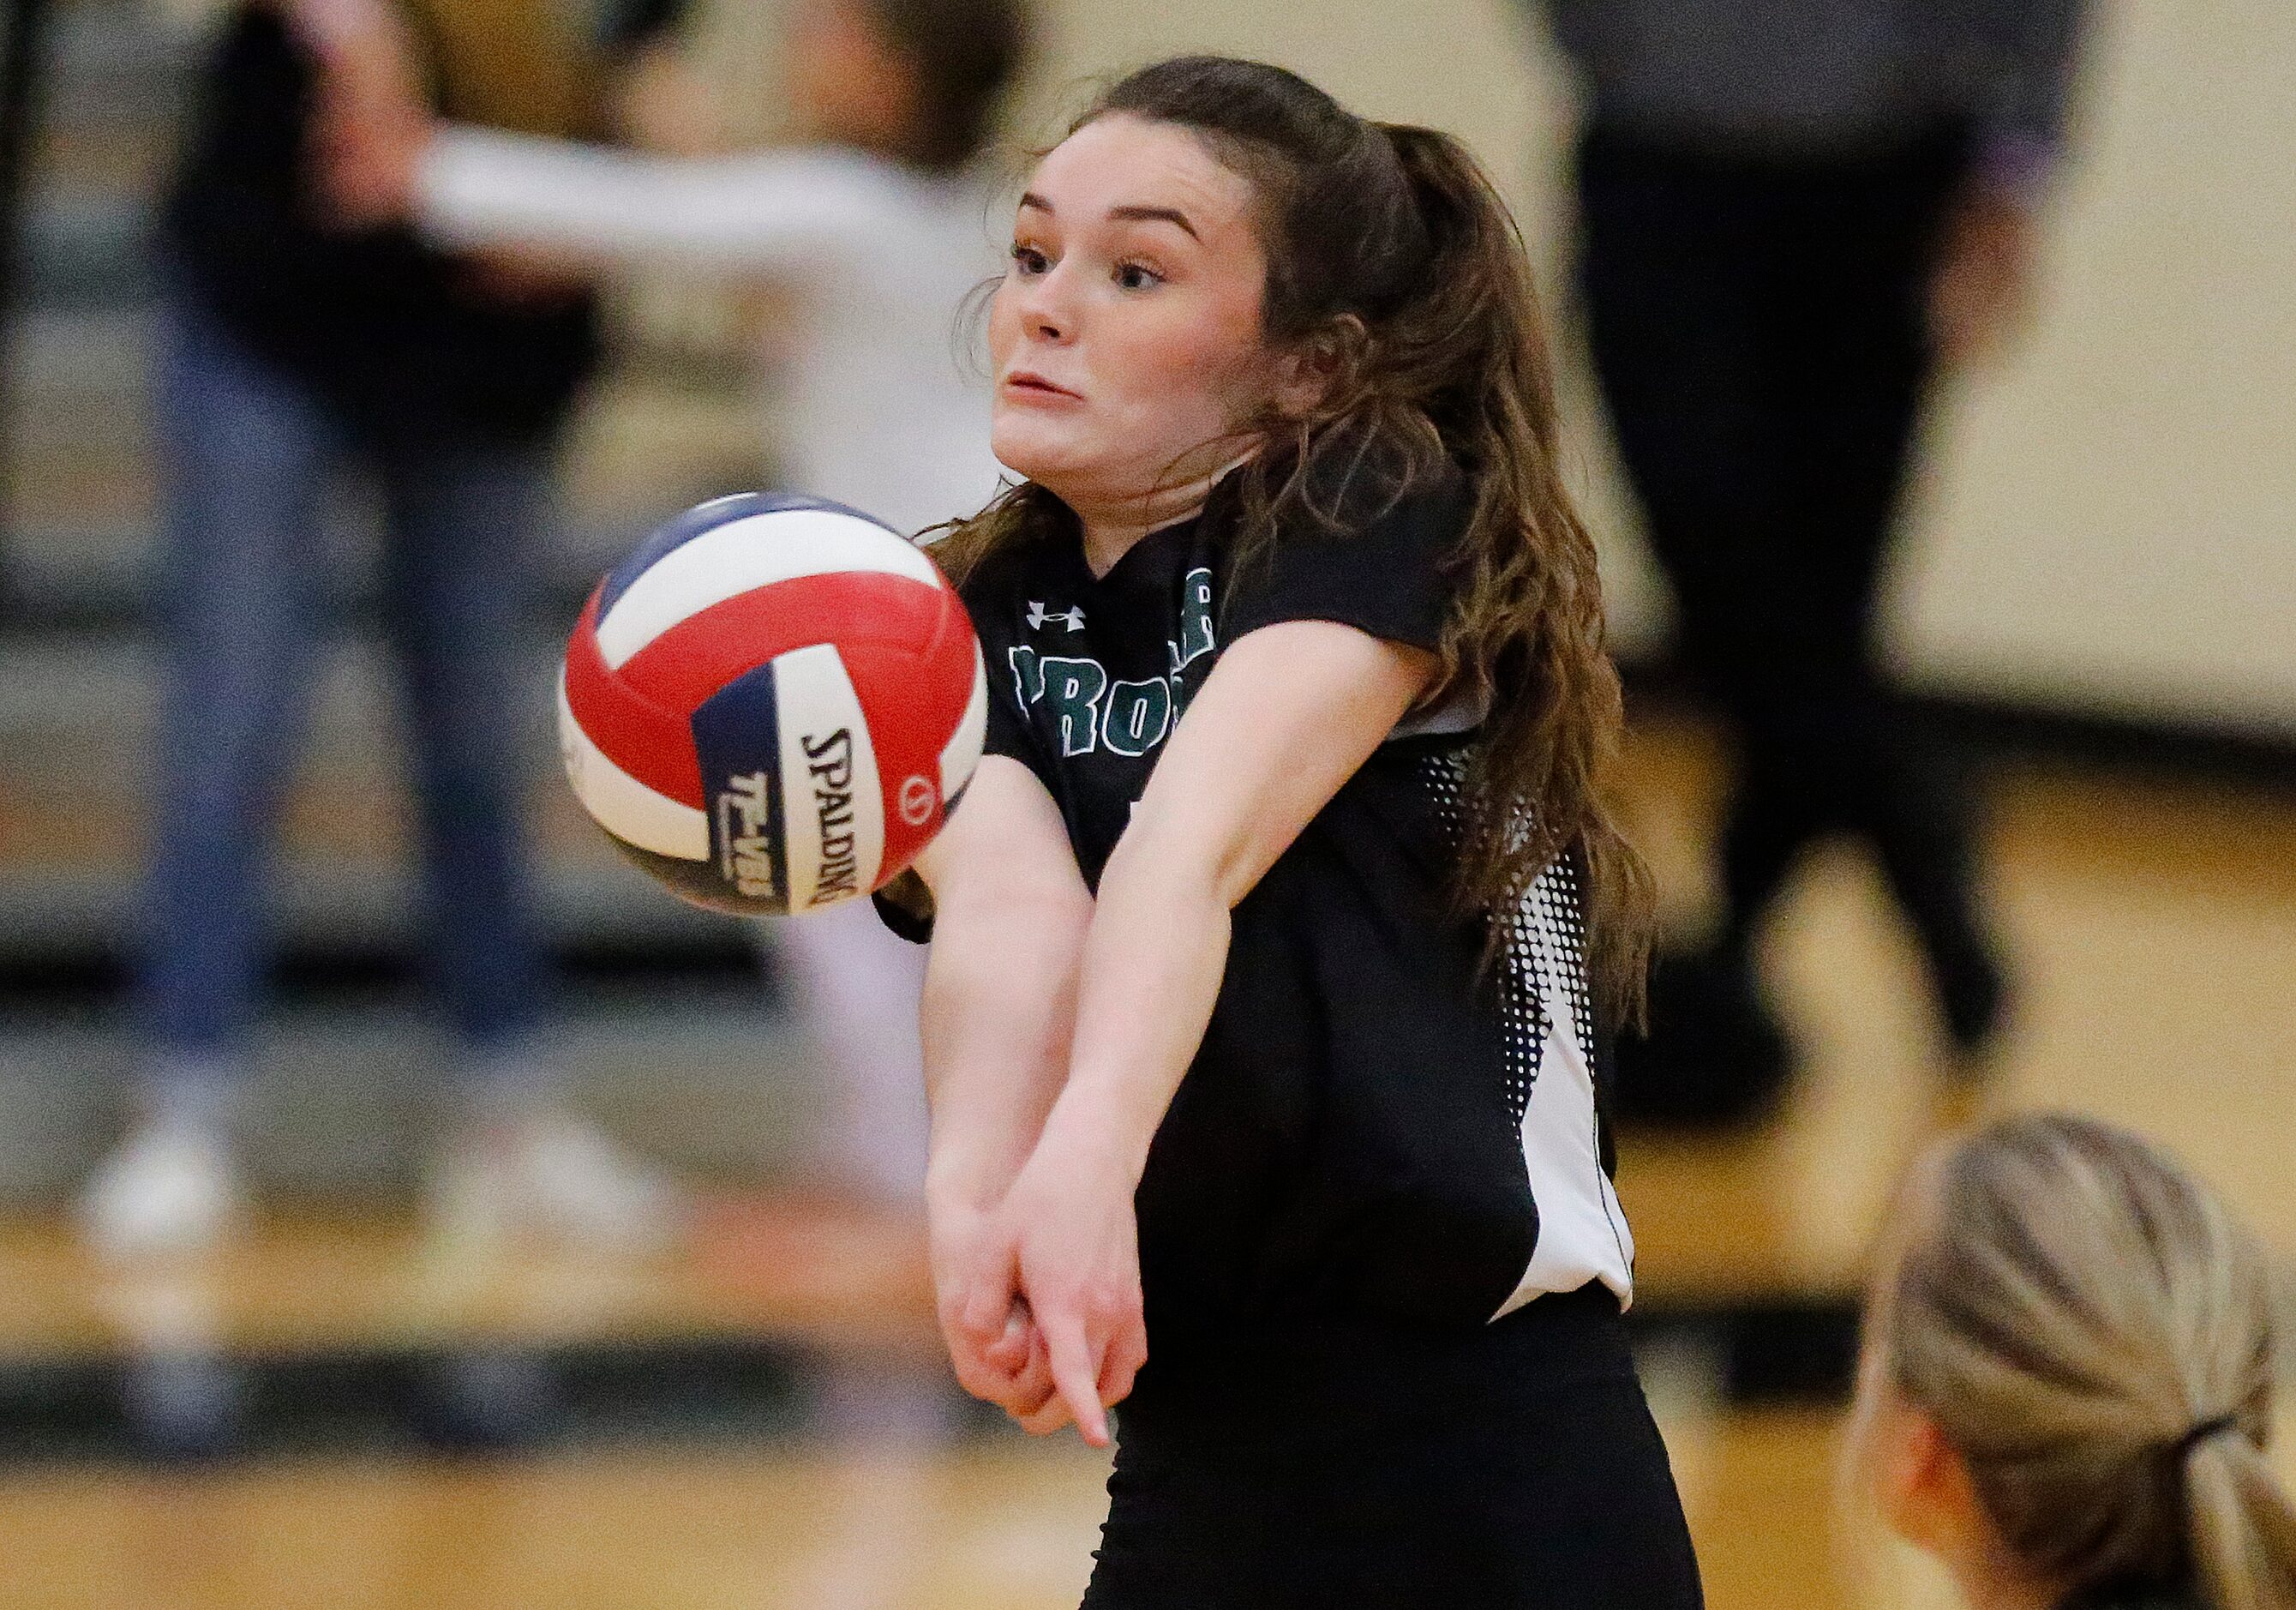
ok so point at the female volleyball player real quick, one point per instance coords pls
(2068, 1381)
(1274, 932)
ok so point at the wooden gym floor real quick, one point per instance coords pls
(2154, 923)
(997, 1525)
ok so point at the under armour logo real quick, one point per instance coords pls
(1038, 619)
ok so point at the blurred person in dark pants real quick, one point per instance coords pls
(1791, 212)
(293, 348)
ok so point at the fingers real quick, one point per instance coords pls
(1076, 1373)
(988, 1302)
(985, 1377)
(1013, 1349)
(1017, 1357)
(982, 1381)
(1022, 1390)
(1031, 1396)
(1048, 1418)
(1128, 1350)
(976, 1274)
(993, 1342)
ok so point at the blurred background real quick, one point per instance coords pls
(716, 1381)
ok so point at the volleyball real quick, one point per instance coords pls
(773, 704)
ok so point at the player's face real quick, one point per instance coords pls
(1125, 336)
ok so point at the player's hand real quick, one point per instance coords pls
(1983, 280)
(1053, 1412)
(992, 1343)
(1077, 1249)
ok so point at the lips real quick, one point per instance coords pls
(1036, 385)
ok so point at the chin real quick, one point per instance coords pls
(1037, 449)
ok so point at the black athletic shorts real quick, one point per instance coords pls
(1349, 1465)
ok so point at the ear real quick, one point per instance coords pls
(1303, 379)
(1306, 374)
(1921, 1485)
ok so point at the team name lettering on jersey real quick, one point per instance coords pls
(830, 763)
(1092, 711)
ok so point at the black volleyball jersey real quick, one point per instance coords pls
(1375, 1123)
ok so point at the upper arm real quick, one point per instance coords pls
(1287, 716)
(1004, 848)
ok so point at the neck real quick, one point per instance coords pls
(1112, 528)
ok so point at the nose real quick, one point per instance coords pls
(1047, 310)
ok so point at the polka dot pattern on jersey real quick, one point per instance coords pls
(1546, 956)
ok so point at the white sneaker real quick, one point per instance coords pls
(554, 1177)
(170, 1190)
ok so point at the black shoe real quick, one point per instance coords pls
(185, 1404)
(1972, 994)
(1714, 1058)
(486, 1400)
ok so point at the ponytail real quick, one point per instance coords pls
(2092, 1334)
(1531, 632)
(2242, 1530)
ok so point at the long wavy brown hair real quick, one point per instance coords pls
(1393, 263)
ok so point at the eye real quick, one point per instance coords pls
(1136, 277)
(1028, 260)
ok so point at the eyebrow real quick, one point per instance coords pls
(1127, 214)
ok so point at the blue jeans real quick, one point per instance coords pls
(249, 454)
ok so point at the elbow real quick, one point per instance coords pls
(1064, 908)
(1042, 909)
(1175, 873)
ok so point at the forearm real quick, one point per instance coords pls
(1290, 713)
(999, 1008)
(1152, 964)
(478, 187)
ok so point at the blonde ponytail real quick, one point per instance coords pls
(2242, 1530)
(2092, 1333)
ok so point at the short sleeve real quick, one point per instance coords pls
(905, 907)
(1009, 733)
(905, 904)
(990, 596)
(1391, 574)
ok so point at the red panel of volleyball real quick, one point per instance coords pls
(772, 704)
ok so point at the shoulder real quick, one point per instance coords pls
(1383, 492)
(1387, 508)
(996, 581)
(1366, 539)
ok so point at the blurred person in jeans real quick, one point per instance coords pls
(873, 226)
(294, 345)
(1792, 213)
